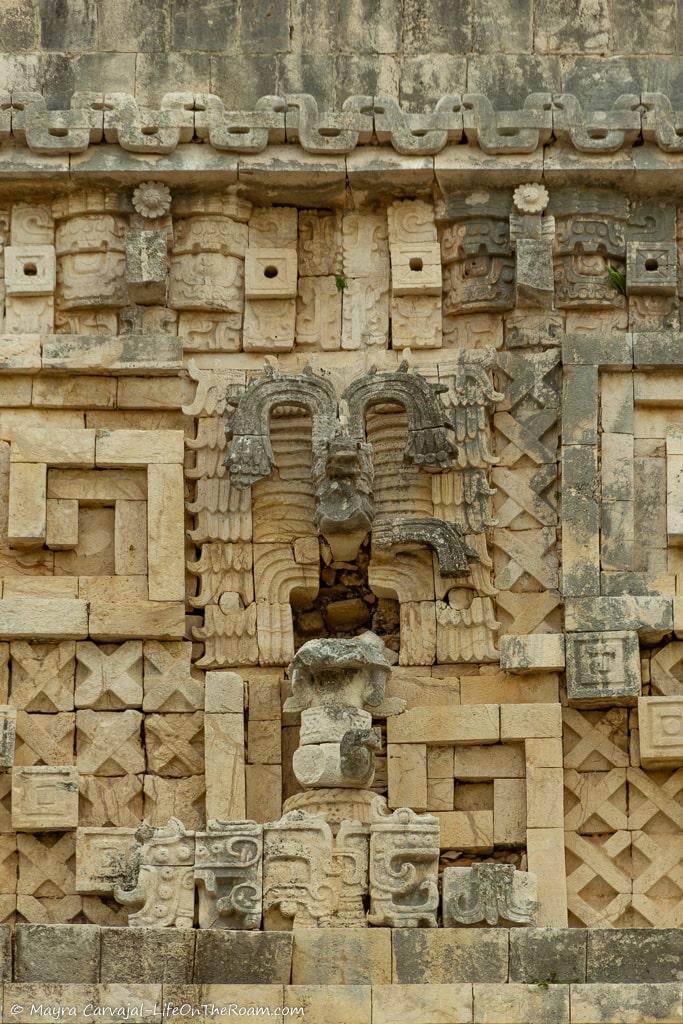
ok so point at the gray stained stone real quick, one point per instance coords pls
(147, 955)
(57, 953)
(243, 958)
(447, 955)
(634, 955)
(548, 954)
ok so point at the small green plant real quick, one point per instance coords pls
(340, 282)
(543, 983)
(618, 279)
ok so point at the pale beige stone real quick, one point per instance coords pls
(146, 620)
(476, 764)
(109, 677)
(130, 538)
(331, 1004)
(174, 798)
(521, 1004)
(44, 799)
(224, 766)
(100, 488)
(115, 589)
(521, 722)
(545, 857)
(224, 692)
(110, 800)
(341, 956)
(469, 831)
(43, 619)
(114, 448)
(536, 652)
(471, 725)
(166, 533)
(94, 553)
(421, 1004)
(622, 1002)
(502, 688)
(61, 523)
(109, 742)
(44, 739)
(660, 724)
(27, 514)
(101, 853)
(544, 795)
(440, 794)
(170, 682)
(154, 392)
(270, 273)
(174, 744)
(74, 392)
(540, 753)
(263, 784)
(407, 775)
(43, 676)
(439, 762)
(509, 812)
(55, 447)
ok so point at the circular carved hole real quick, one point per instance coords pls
(415, 263)
(270, 272)
(652, 264)
(30, 270)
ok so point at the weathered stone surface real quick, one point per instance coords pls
(57, 953)
(244, 958)
(147, 955)
(556, 955)
(450, 955)
(331, 956)
(633, 955)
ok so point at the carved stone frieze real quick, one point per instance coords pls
(404, 862)
(492, 894)
(227, 869)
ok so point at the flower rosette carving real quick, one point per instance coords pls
(531, 198)
(152, 200)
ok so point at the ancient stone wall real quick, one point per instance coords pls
(341, 449)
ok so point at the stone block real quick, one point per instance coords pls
(243, 958)
(471, 725)
(530, 721)
(127, 353)
(521, 1004)
(660, 725)
(544, 795)
(61, 528)
(109, 742)
(224, 766)
(536, 652)
(470, 831)
(57, 953)
(35, 619)
(44, 798)
(407, 775)
(337, 1004)
(146, 620)
(448, 955)
(147, 955)
(8, 735)
(105, 857)
(603, 668)
(270, 273)
(543, 753)
(341, 956)
(634, 955)
(123, 448)
(30, 269)
(166, 533)
(477, 764)
(421, 1004)
(54, 446)
(32, 994)
(611, 1004)
(147, 266)
(650, 617)
(509, 812)
(415, 268)
(263, 785)
(580, 405)
(534, 282)
(545, 857)
(555, 955)
(223, 692)
(27, 512)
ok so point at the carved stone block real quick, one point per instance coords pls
(416, 268)
(404, 859)
(30, 269)
(147, 266)
(105, 858)
(660, 727)
(228, 868)
(270, 273)
(603, 668)
(495, 894)
(44, 799)
(651, 268)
